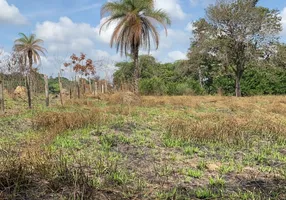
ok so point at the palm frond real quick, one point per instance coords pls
(136, 24)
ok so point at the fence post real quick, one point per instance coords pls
(47, 90)
(102, 88)
(2, 97)
(61, 89)
(105, 87)
(95, 88)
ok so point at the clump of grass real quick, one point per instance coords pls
(232, 131)
(217, 182)
(62, 121)
(188, 150)
(204, 193)
(194, 173)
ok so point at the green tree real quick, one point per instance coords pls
(29, 48)
(136, 27)
(280, 57)
(237, 32)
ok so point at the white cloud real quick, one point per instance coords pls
(174, 37)
(189, 27)
(172, 7)
(65, 35)
(177, 55)
(106, 32)
(10, 14)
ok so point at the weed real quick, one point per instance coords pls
(188, 150)
(204, 193)
(194, 173)
(217, 182)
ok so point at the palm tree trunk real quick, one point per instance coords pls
(136, 69)
(28, 81)
(28, 91)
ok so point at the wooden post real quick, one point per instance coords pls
(90, 87)
(47, 90)
(60, 86)
(83, 84)
(2, 97)
(102, 88)
(78, 89)
(70, 92)
(95, 88)
(105, 86)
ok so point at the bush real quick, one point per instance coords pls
(152, 86)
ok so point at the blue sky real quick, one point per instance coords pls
(71, 26)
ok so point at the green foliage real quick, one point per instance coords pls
(181, 78)
(54, 84)
(152, 86)
(255, 81)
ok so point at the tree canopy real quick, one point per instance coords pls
(237, 33)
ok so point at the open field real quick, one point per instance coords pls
(156, 148)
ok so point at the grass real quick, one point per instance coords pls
(158, 148)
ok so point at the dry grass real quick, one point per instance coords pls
(225, 119)
(149, 148)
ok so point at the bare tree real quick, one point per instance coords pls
(83, 68)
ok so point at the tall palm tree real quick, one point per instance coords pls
(136, 26)
(29, 47)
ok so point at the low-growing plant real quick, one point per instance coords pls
(194, 173)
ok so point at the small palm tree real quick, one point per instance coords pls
(29, 47)
(136, 27)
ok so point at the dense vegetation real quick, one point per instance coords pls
(183, 78)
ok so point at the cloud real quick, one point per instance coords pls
(10, 14)
(177, 55)
(106, 32)
(172, 7)
(65, 35)
(189, 27)
(174, 37)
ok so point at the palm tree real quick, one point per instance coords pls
(136, 26)
(29, 47)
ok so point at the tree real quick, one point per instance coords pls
(136, 27)
(30, 48)
(237, 32)
(280, 56)
(82, 67)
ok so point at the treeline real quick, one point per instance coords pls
(234, 50)
(267, 77)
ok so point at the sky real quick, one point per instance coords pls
(72, 26)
